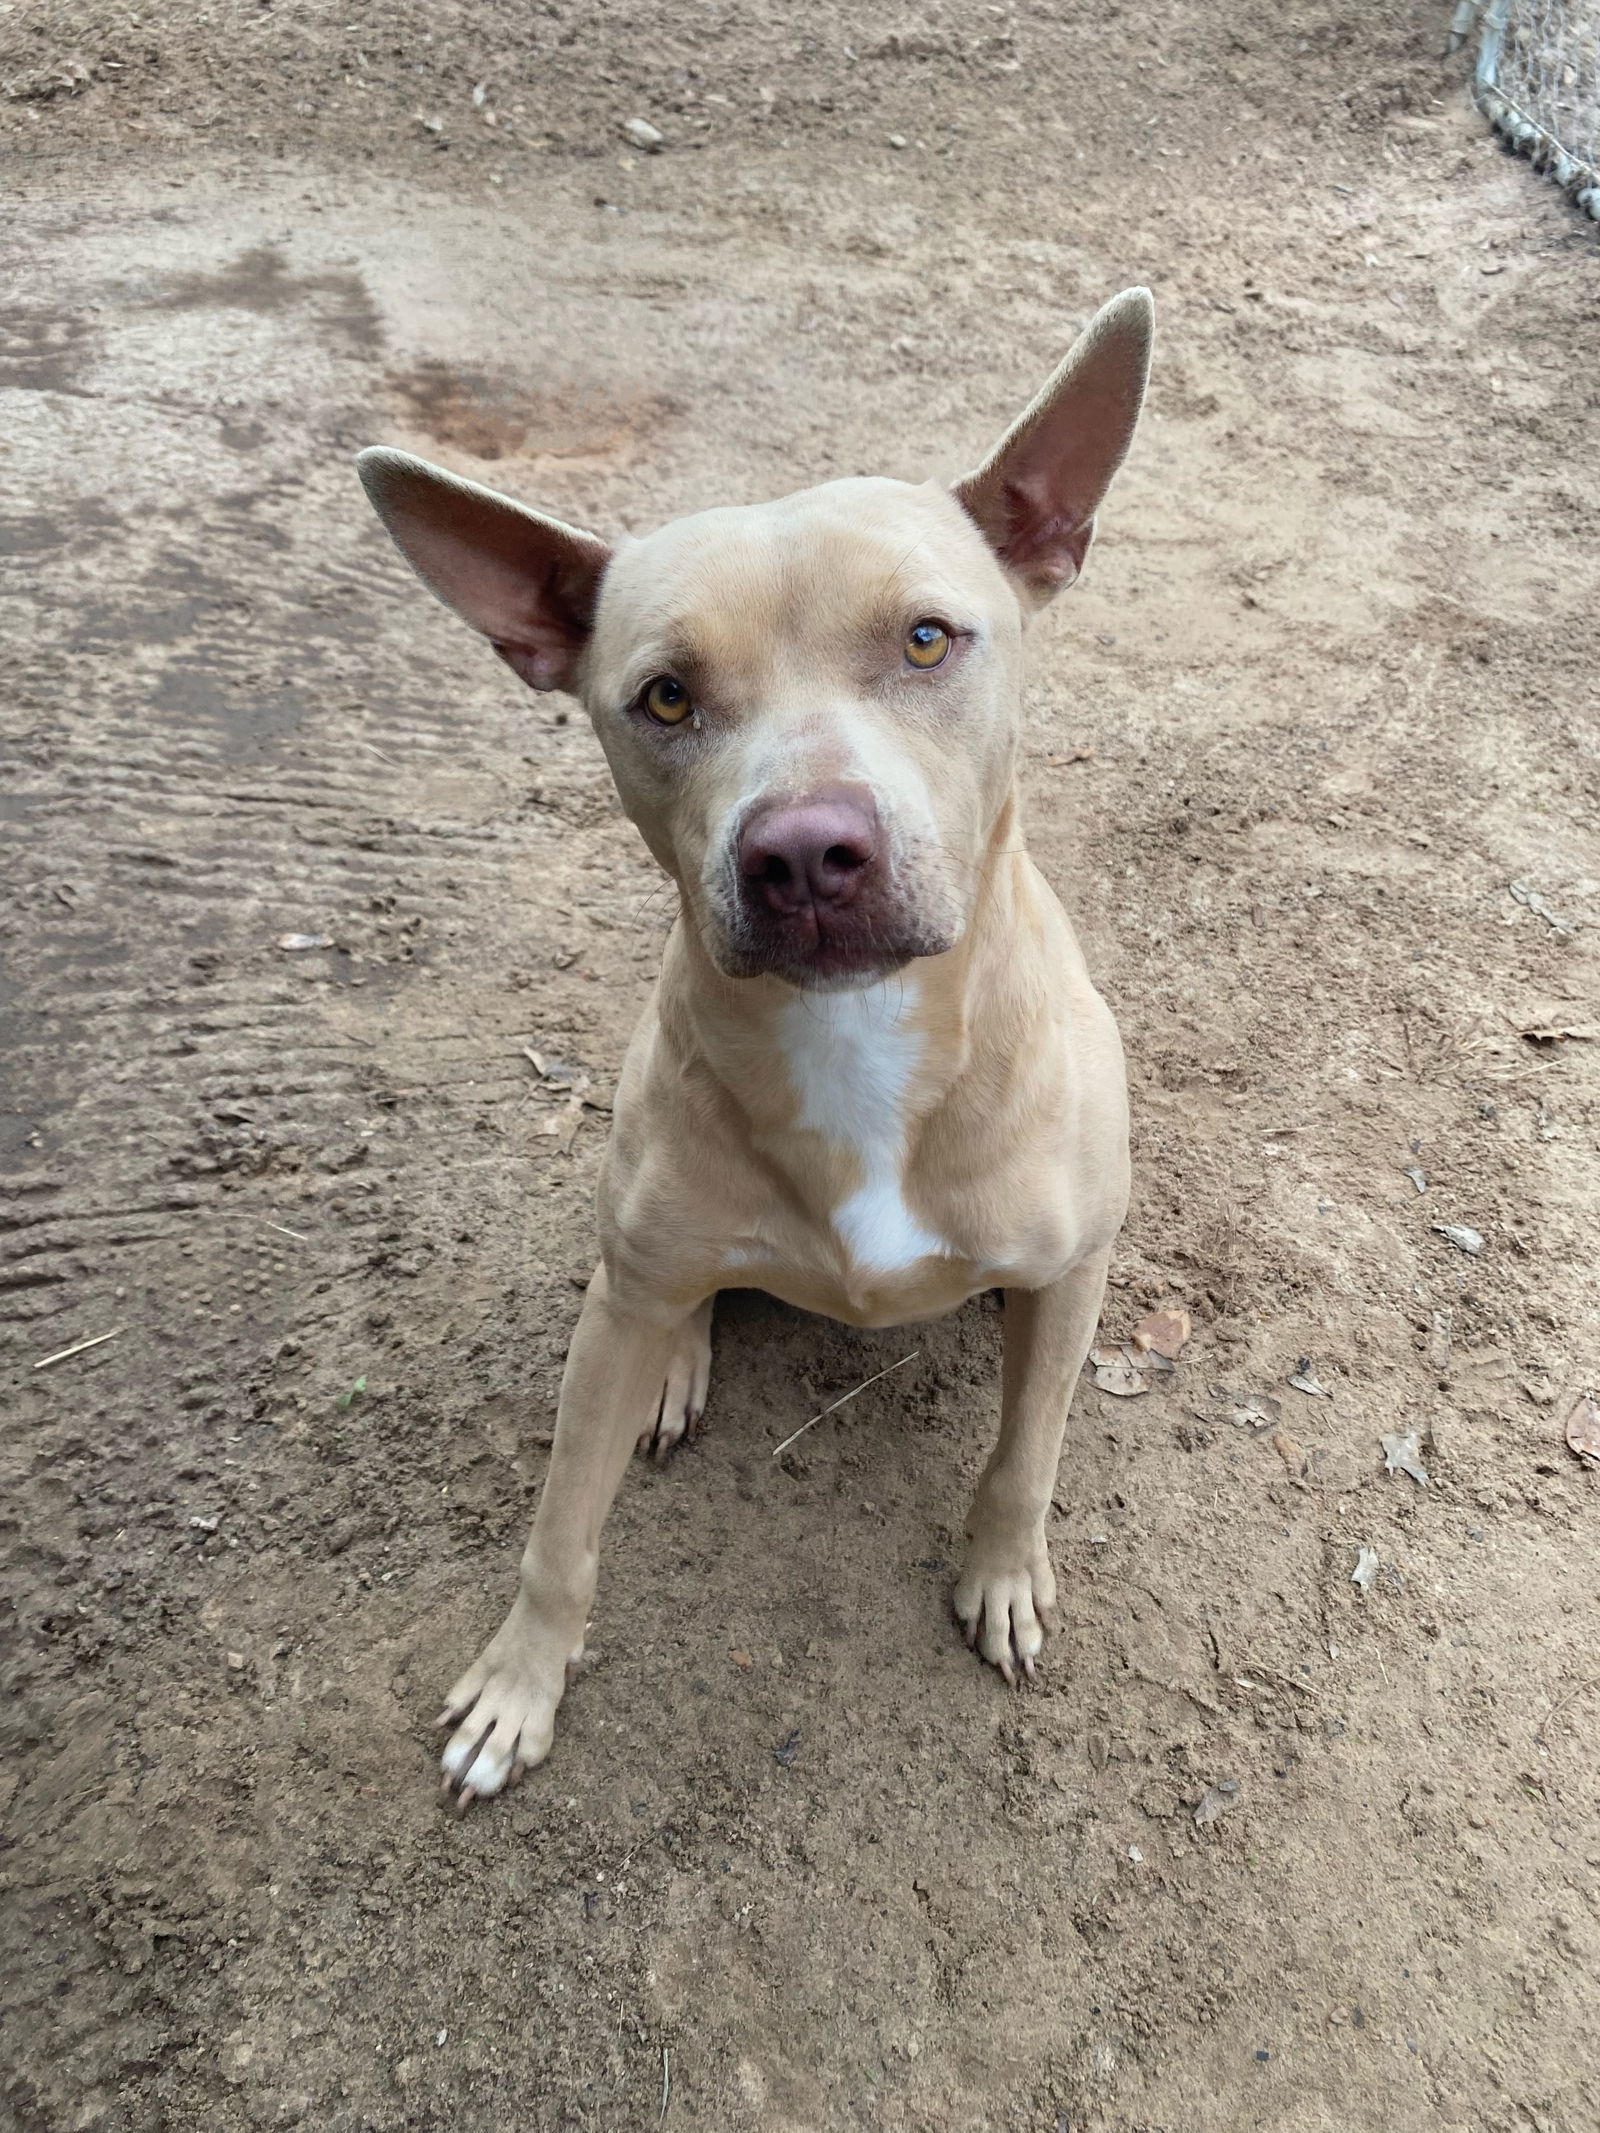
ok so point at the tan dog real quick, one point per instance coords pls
(875, 1078)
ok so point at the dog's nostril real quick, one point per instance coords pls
(775, 872)
(843, 858)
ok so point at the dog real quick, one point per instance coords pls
(875, 1078)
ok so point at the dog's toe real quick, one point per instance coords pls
(683, 1396)
(1000, 1614)
(503, 1716)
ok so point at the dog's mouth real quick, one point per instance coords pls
(820, 946)
(816, 951)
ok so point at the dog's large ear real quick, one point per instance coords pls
(529, 583)
(1036, 494)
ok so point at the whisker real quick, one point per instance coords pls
(657, 889)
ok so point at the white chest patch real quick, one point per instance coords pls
(852, 1058)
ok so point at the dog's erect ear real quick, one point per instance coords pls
(527, 582)
(1036, 494)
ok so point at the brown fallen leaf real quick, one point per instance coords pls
(1164, 1331)
(1583, 1429)
(741, 1659)
(1291, 1455)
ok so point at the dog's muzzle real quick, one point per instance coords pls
(816, 899)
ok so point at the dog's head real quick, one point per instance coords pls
(811, 707)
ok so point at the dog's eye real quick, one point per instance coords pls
(927, 643)
(667, 700)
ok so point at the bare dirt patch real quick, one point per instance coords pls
(1312, 757)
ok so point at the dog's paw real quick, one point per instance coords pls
(503, 1714)
(1005, 1600)
(683, 1395)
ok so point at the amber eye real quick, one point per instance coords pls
(927, 643)
(667, 700)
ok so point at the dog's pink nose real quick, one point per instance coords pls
(798, 855)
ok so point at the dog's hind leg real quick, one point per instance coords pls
(683, 1395)
(1007, 1588)
(502, 1710)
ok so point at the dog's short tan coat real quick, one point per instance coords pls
(874, 1089)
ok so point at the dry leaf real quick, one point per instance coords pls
(1164, 1331)
(293, 943)
(1402, 1454)
(1215, 1802)
(1116, 1372)
(1291, 1455)
(1366, 1569)
(1302, 1380)
(560, 1124)
(1530, 897)
(1464, 1239)
(1246, 1410)
(1583, 1428)
(1550, 1033)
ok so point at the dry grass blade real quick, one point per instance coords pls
(61, 1354)
(850, 1395)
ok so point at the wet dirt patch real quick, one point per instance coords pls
(261, 281)
(31, 535)
(252, 718)
(43, 351)
(493, 416)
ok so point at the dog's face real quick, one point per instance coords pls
(810, 707)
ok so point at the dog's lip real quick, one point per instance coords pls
(829, 970)
(827, 955)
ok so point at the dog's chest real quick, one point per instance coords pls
(853, 1060)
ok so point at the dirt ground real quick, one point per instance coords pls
(1313, 758)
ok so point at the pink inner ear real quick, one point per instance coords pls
(528, 583)
(1040, 544)
(1035, 497)
(540, 666)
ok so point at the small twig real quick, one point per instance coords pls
(1541, 1736)
(1301, 1688)
(666, 2081)
(1178, 1688)
(1133, 1584)
(282, 1232)
(850, 1395)
(61, 1354)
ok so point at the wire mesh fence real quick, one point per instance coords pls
(1537, 80)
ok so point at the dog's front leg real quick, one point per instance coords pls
(1007, 1588)
(622, 1367)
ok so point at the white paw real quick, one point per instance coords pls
(503, 1710)
(683, 1396)
(1004, 1601)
